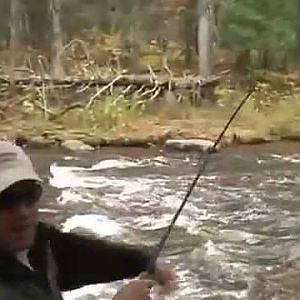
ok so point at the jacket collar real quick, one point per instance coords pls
(11, 268)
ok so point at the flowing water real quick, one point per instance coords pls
(243, 219)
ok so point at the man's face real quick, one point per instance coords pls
(19, 216)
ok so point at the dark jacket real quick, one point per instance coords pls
(65, 261)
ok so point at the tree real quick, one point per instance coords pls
(205, 30)
(15, 29)
(269, 27)
(57, 63)
(190, 29)
(39, 20)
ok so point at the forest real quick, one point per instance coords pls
(173, 68)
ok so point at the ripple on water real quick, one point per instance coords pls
(276, 158)
(98, 224)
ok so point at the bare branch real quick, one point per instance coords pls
(44, 109)
(170, 73)
(150, 91)
(156, 94)
(153, 76)
(93, 98)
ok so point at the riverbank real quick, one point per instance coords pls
(268, 116)
(145, 132)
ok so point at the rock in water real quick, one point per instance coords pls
(199, 145)
(40, 143)
(76, 145)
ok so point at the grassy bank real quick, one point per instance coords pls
(269, 115)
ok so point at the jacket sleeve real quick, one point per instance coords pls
(82, 260)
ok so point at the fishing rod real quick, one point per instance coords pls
(202, 166)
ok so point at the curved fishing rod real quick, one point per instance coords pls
(160, 246)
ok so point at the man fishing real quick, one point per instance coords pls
(38, 261)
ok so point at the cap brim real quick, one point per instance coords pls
(13, 175)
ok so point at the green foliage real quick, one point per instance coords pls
(115, 109)
(28, 101)
(261, 24)
(108, 113)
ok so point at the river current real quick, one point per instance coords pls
(241, 225)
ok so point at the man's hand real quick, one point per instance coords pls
(135, 290)
(164, 275)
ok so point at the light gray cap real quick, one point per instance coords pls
(15, 165)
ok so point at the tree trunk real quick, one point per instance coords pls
(205, 37)
(240, 72)
(15, 21)
(242, 62)
(189, 33)
(57, 63)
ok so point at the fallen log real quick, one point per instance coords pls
(189, 82)
(141, 86)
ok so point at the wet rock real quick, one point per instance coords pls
(128, 142)
(37, 142)
(199, 145)
(248, 137)
(40, 143)
(136, 142)
(252, 140)
(95, 142)
(76, 145)
(21, 140)
(115, 142)
(293, 136)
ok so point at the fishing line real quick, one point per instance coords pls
(202, 165)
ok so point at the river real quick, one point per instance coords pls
(243, 218)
